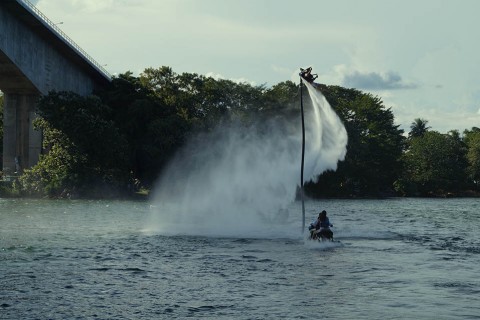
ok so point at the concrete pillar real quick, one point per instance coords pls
(9, 134)
(21, 143)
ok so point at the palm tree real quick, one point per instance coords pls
(418, 128)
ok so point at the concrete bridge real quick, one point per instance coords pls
(36, 57)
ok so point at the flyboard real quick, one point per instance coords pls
(307, 75)
(320, 238)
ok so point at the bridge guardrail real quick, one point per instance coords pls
(72, 43)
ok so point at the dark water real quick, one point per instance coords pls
(398, 259)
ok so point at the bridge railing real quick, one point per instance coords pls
(62, 34)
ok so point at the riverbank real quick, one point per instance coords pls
(8, 190)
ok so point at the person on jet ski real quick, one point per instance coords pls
(325, 225)
(321, 227)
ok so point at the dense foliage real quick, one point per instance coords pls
(435, 163)
(121, 138)
(84, 150)
(472, 141)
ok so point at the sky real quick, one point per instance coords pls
(421, 57)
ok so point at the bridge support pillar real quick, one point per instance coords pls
(21, 143)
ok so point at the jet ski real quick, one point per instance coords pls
(322, 234)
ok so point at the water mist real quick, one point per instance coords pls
(239, 181)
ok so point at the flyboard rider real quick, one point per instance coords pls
(307, 74)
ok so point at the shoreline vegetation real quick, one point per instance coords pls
(144, 120)
(7, 191)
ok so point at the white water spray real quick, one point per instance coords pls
(240, 181)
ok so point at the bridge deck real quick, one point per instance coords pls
(26, 12)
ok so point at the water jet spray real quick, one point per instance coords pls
(242, 181)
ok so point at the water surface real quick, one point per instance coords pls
(398, 259)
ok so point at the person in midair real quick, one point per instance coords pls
(307, 74)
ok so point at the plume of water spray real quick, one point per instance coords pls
(326, 136)
(238, 181)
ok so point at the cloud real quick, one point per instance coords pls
(79, 7)
(281, 70)
(92, 5)
(376, 81)
(218, 76)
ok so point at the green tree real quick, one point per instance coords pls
(159, 109)
(186, 104)
(281, 99)
(83, 120)
(418, 128)
(152, 129)
(436, 163)
(472, 141)
(57, 173)
(203, 101)
(144, 120)
(85, 151)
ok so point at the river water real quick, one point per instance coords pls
(397, 259)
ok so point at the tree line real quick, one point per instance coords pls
(119, 140)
